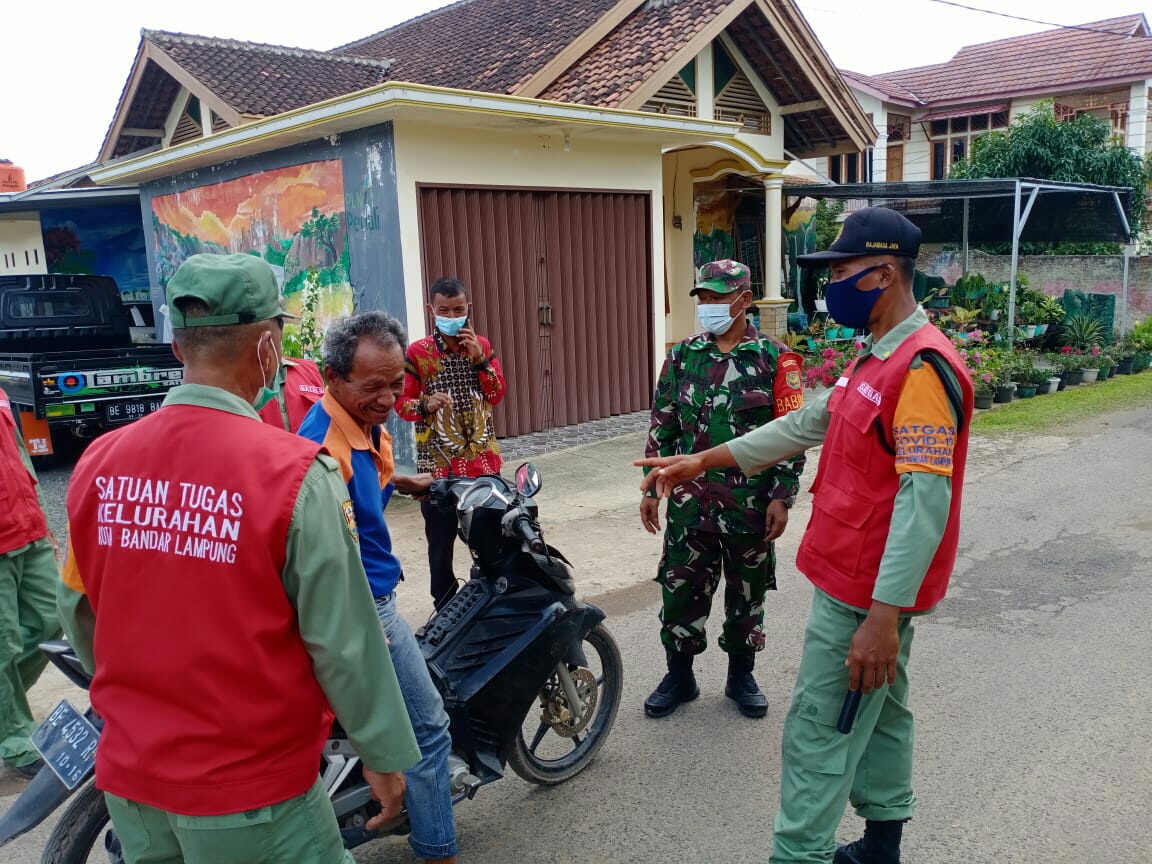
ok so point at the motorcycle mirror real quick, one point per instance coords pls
(528, 480)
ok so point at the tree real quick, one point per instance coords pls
(323, 230)
(1039, 145)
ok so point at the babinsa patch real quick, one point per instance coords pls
(350, 519)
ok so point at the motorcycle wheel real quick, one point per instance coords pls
(542, 750)
(80, 829)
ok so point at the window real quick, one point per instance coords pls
(48, 304)
(850, 167)
(951, 139)
(1111, 107)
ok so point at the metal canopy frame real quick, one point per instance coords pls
(1024, 191)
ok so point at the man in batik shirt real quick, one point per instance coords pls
(714, 387)
(452, 382)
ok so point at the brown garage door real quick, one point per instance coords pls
(561, 283)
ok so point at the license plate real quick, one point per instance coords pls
(122, 412)
(67, 741)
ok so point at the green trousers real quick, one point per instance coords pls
(28, 578)
(823, 769)
(301, 830)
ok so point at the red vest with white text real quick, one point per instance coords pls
(856, 484)
(178, 528)
(21, 519)
(303, 386)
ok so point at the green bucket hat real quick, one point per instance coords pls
(237, 289)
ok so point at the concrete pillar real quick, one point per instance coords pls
(774, 307)
(705, 84)
(1138, 117)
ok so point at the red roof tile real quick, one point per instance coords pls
(268, 79)
(889, 88)
(626, 58)
(1116, 49)
(487, 45)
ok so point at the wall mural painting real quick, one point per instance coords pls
(98, 241)
(799, 239)
(292, 217)
(713, 238)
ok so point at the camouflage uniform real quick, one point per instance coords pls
(705, 398)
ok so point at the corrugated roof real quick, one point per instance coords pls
(1116, 49)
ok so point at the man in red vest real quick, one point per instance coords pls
(299, 386)
(213, 584)
(28, 578)
(879, 548)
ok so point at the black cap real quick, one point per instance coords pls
(871, 231)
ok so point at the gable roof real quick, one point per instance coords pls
(886, 89)
(262, 80)
(600, 53)
(487, 45)
(1114, 50)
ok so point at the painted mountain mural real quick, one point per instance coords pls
(292, 217)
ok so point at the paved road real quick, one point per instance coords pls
(1031, 686)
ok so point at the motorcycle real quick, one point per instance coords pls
(512, 637)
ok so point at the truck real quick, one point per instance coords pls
(68, 362)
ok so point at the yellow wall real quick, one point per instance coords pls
(442, 154)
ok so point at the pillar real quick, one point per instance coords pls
(774, 307)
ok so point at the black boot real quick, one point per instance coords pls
(679, 685)
(879, 845)
(742, 686)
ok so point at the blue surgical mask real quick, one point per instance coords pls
(717, 318)
(849, 306)
(451, 326)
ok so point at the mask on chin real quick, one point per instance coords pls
(848, 305)
(266, 394)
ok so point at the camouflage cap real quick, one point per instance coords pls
(237, 289)
(723, 277)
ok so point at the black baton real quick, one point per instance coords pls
(848, 711)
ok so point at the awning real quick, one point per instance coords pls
(967, 111)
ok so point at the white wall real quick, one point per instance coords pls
(1138, 138)
(21, 244)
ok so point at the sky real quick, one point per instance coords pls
(63, 63)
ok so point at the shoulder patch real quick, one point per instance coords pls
(350, 519)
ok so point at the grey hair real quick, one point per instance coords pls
(344, 335)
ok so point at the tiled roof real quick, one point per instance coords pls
(628, 56)
(487, 45)
(889, 88)
(1116, 49)
(268, 79)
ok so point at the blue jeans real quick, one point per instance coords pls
(429, 794)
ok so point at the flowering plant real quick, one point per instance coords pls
(985, 364)
(828, 363)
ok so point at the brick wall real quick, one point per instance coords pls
(1052, 274)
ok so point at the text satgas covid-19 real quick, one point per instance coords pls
(191, 520)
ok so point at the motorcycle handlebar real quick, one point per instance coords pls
(523, 528)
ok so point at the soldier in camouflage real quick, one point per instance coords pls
(716, 386)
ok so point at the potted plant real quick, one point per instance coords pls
(1083, 332)
(1092, 365)
(1072, 362)
(1005, 388)
(831, 330)
(1053, 312)
(1125, 355)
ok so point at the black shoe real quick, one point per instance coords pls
(879, 845)
(29, 771)
(678, 686)
(742, 687)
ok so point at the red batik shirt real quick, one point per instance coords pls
(463, 433)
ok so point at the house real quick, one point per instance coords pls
(570, 160)
(927, 117)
